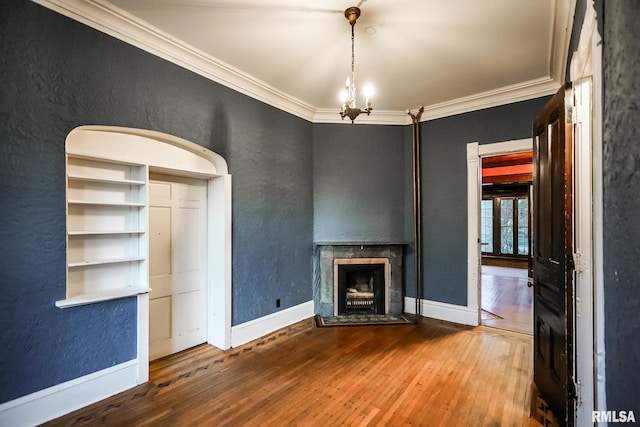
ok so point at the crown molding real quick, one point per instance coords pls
(109, 19)
(506, 95)
(560, 37)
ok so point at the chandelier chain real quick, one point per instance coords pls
(353, 56)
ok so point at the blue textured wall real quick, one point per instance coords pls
(360, 175)
(444, 189)
(57, 74)
(621, 182)
(272, 211)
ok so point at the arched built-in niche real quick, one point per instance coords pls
(116, 156)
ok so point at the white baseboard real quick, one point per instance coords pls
(443, 311)
(254, 329)
(56, 401)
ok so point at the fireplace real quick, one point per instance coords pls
(352, 278)
(360, 285)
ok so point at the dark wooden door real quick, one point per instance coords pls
(552, 258)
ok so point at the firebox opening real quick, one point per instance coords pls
(361, 288)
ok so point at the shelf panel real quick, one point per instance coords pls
(103, 232)
(101, 159)
(105, 180)
(100, 296)
(99, 203)
(88, 263)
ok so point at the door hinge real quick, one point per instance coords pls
(578, 393)
(571, 265)
(575, 262)
(573, 391)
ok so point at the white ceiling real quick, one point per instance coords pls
(449, 56)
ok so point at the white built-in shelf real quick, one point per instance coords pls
(86, 263)
(100, 296)
(101, 203)
(105, 180)
(103, 232)
(107, 220)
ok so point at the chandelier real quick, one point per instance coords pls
(349, 108)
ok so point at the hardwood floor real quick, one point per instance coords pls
(507, 301)
(427, 374)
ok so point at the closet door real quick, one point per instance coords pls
(177, 264)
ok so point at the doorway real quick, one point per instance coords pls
(177, 264)
(505, 224)
(475, 154)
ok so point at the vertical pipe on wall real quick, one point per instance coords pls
(417, 202)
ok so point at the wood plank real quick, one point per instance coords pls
(432, 373)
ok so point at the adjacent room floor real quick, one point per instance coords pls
(426, 374)
(507, 301)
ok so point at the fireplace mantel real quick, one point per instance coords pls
(324, 261)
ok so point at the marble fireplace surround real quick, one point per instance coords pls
(330, 254)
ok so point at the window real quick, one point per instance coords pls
(506, 226)
(504, 221)
(523, 226)
(486, 225)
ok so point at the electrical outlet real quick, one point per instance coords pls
(278, 303)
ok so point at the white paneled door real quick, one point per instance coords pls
(177, 264)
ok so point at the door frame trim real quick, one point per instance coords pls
(586, 76)
(475, 152)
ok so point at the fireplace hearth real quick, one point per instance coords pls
(358, 278)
